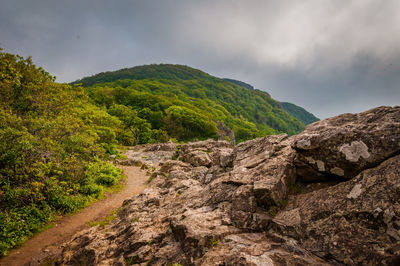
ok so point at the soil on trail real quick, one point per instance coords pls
(47, 244)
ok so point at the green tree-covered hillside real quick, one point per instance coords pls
(300, 113)
(184, 103)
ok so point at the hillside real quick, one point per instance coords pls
(186, 102)
(299, 112)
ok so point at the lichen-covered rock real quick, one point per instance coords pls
(225, 133)
(354, 222)
(197, 158)
(149, 156)
(225, 206)
(267, 165)
(256, 249)
(169, 146)
(208, 153)
(205, 145)
(347, 144)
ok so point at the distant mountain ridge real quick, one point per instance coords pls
(180, 97)
(240, 83)
(300, 113)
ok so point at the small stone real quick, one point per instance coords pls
(355, 192)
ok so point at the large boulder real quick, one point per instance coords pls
(207, 153)
(262, 174)
(344, 145)
(266, 164)
(353, 222)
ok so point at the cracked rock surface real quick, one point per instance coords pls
(347, 144)
(252, 204)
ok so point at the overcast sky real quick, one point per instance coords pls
(329, 57)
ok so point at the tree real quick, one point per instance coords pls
(140, 128)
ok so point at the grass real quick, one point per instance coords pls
(130, 260)
(213, 242)
(108, 219)
(275, 209)
(294, 188)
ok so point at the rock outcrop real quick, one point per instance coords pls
(345, 145)
(354, 222)
(213, 204)
(225, 133)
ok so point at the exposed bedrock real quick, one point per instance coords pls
(213, 204)
(345, 145)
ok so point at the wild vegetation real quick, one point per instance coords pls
(55, 139)
(53, 142)
(184, 103)
(300, 113)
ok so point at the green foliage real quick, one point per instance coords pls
(52, 139)
(300, 113)
(102, 174)
(185, 103)
(106, 220)
(130, 260)
(213, 242)
(93, 190)
(187, 124)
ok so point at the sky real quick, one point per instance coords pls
(328, 56)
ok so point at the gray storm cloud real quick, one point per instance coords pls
(330, 57)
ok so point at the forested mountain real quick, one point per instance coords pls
(300, 113)
(184, 103)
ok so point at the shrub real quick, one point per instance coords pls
(93, 190)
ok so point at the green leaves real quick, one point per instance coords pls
(51, 139)
(187, 124)
(151, 90)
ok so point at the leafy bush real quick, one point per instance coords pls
(93, 190)
(102, 174)
(52, 139)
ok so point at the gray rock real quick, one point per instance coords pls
(224, 206)
(347, 144)
(354, 222)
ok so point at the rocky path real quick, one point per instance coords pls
(48, 243)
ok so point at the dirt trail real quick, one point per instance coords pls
(48, 243)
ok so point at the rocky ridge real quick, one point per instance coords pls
(328, 196)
